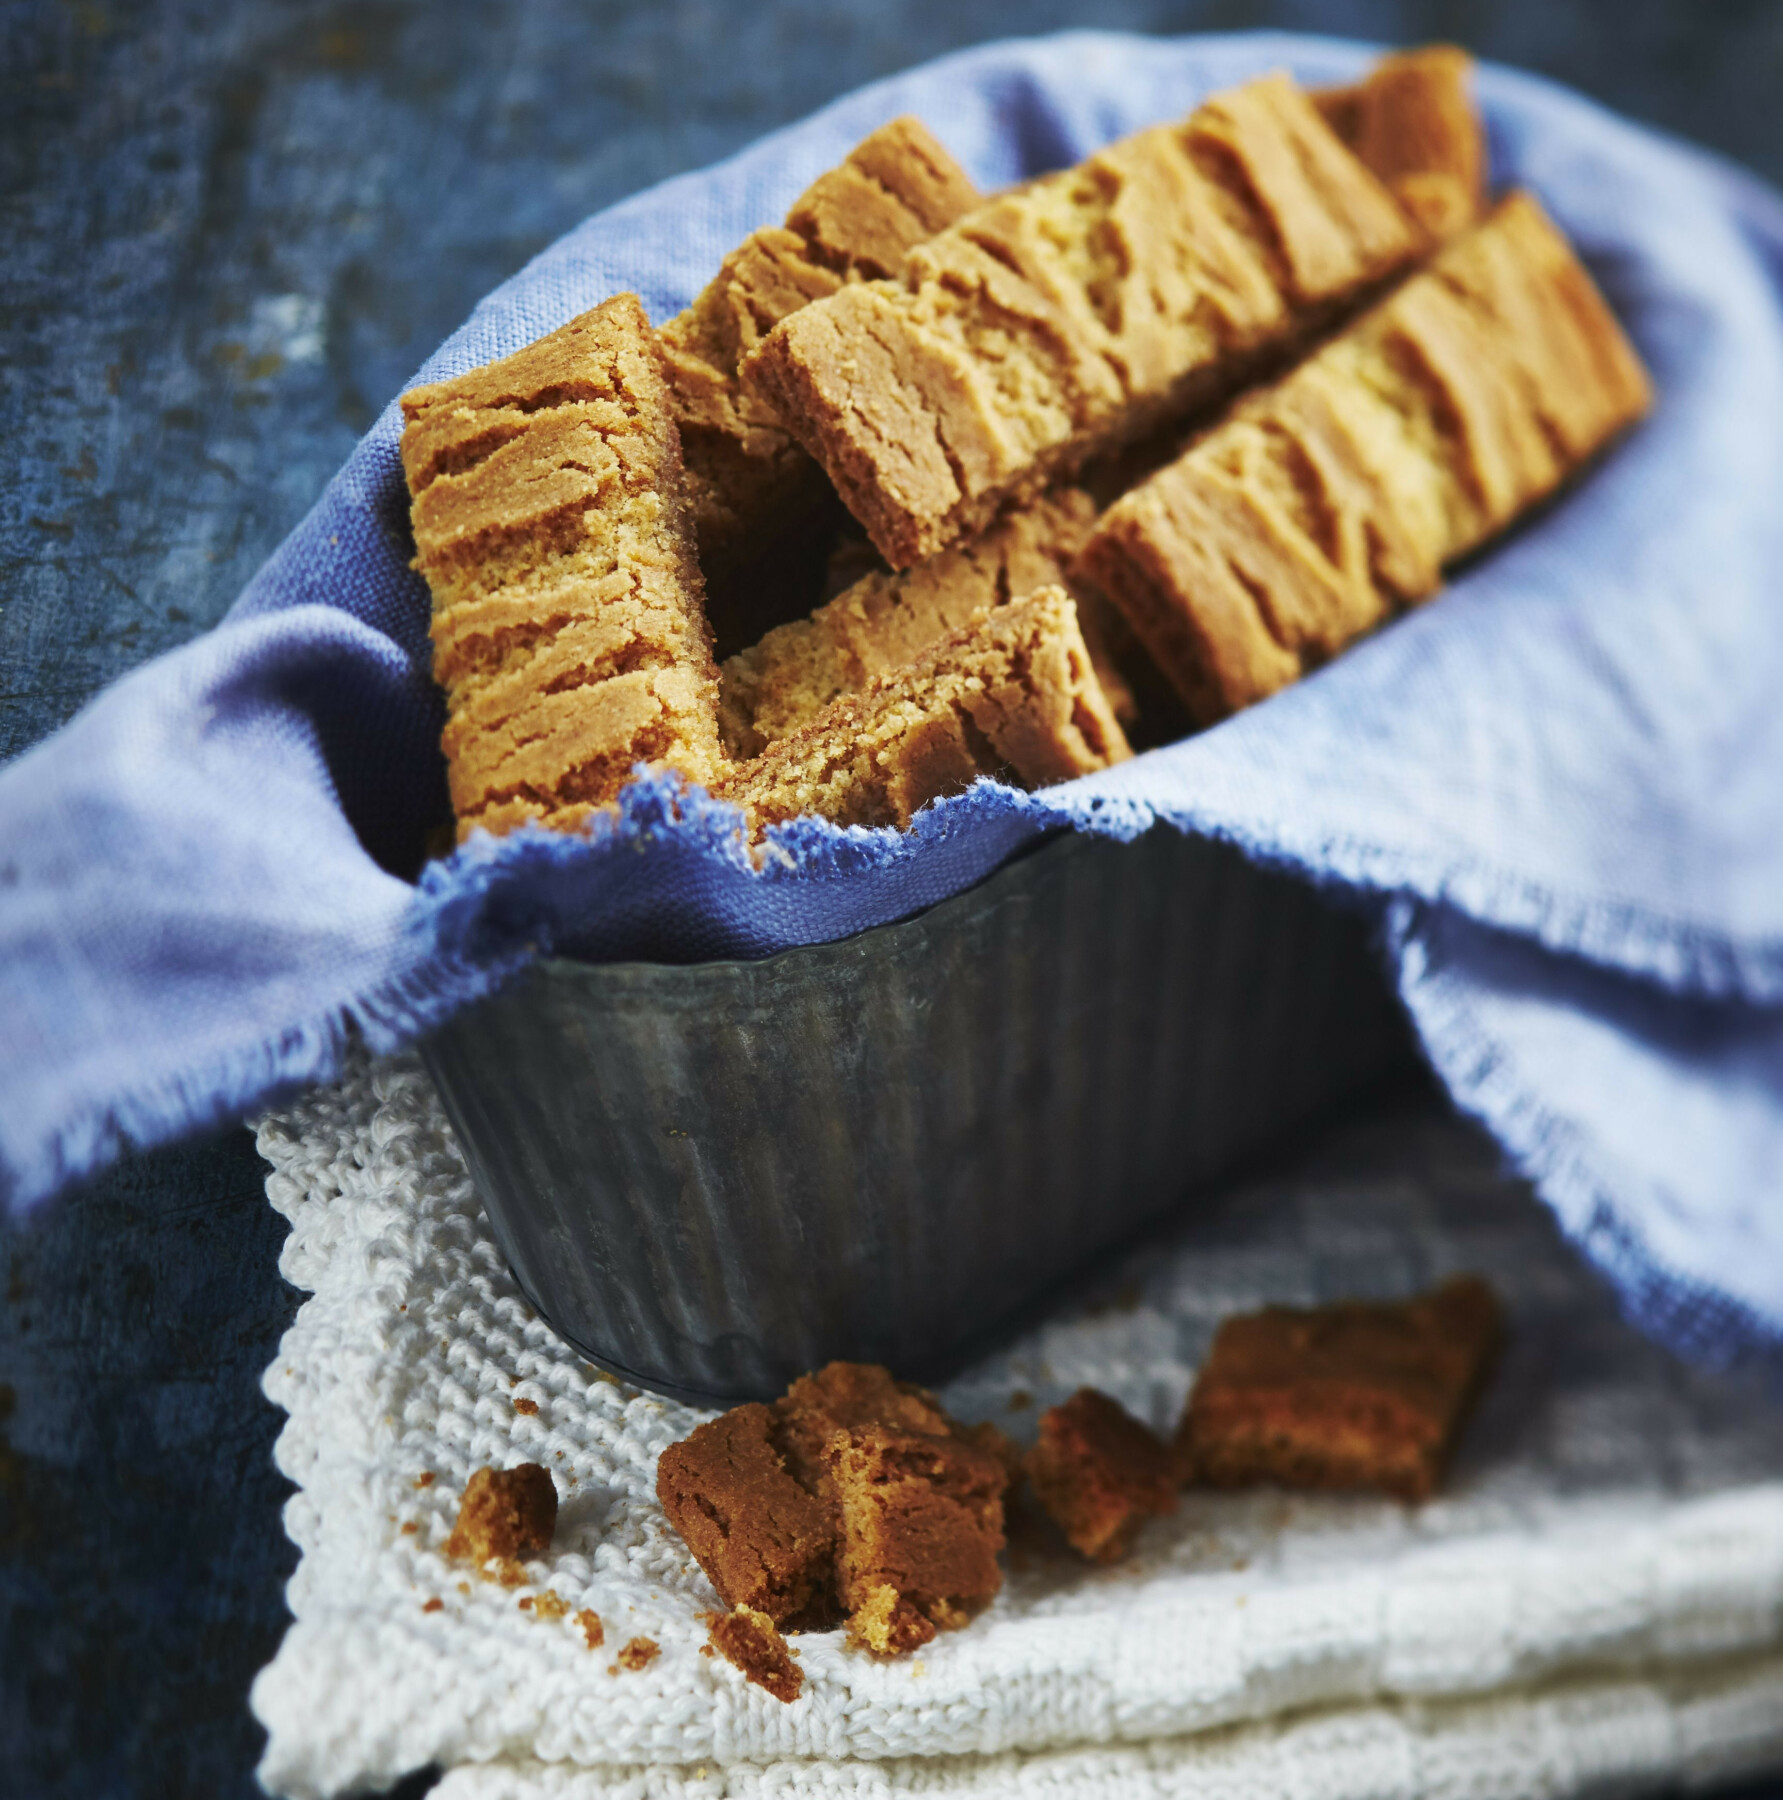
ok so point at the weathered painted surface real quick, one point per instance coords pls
(228, 233)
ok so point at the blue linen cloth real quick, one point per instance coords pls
(1560, 787)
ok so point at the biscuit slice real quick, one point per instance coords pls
(885, 619)
(1355, 1395)
(552, 525)
(1079, 311)
(747, 475)
(1012, 694)
(1100, 1474)
(764, 1541)
(1412, 120)
(921, 1525)
(1338, 494)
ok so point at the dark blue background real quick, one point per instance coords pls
(231, 232)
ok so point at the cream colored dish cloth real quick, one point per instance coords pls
(1596, 1598)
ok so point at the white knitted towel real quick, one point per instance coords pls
(1597, 1596)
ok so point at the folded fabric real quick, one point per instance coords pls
(1597, 1591)
(1561, 785)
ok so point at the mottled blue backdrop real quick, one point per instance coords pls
(231, 233)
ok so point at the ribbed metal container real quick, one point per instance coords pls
(713, 1177)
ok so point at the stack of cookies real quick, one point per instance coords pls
(1091, 462)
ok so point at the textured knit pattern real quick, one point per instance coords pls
(1613, 1524)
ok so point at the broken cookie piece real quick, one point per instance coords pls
(506, 1514)
(921, 1525)
(1012, 694)
(636, 1653)
(846, 1396)
(762, 1539)
(1354, 1395)
(1100, 1473)
(749, 1640)
(852, 1482)
(552, 525)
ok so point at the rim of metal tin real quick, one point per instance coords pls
(1050, 847)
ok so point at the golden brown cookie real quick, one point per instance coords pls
(748, 477)
(505, 1514)
(1412, 121)
(1012, 694)
(750, 1641)
(764, 1541)
(1077, 311)
(921, 1525)
(1336, 495)
(885, 619)
(552, 525)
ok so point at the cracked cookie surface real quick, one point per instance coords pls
(1077, 311)
(552, 526)
(1333, 498)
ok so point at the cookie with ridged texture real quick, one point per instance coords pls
(552, 525)
(1354, 1395)
(1077, 311)
(748, 477)
(887, 618)
(1413, 121)
(1336, 496)
(1012, 694)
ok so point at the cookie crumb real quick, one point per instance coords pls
(884, 1623)
(505, 1514)
(750, 1641)
(550, 1605)
(424, 1479)
(436, 1604)
(592, 1629)
(637, 1653)
(409, 1528)
(529, 1407)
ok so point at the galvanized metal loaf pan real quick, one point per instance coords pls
(710, 1178)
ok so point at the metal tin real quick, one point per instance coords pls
(711, 1178)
